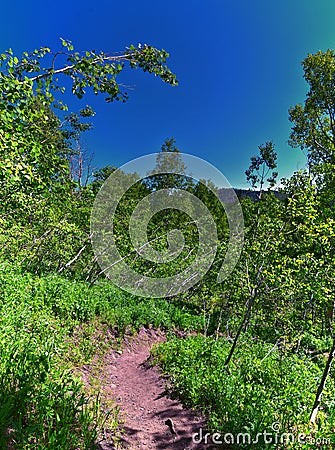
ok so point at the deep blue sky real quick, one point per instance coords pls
(238, 65)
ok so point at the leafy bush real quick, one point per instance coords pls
(42, 404)
(263, 387)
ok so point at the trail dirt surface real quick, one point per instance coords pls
(145, 406)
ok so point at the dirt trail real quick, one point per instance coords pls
(139, 391)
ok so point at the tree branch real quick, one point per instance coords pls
(65, 69)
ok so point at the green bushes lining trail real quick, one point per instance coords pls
(42, 403)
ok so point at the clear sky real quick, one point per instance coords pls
(238, 65)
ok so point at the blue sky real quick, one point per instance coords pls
(238, 65)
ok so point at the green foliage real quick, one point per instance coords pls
(44, 213)
(314, 122)
(168, 160)
(90, 69)
(261, 166)
(272, 319)
(265, 385)
(42, 404)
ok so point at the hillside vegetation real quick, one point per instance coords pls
(257, 349)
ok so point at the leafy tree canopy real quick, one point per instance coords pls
(313, 122)
(34, 142)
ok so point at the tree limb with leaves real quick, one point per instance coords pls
(39, 139)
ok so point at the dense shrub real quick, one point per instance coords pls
(263, 388)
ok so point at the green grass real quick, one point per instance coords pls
(263, 386)
(47, 328)
(51, 326)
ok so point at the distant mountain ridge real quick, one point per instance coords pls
(226, 196)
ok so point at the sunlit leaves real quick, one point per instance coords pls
(313, 123)
(259, 170)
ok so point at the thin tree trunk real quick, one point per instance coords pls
(309, 303)
(322, 384)
(68, 264)
(218, 326)
(239, 331)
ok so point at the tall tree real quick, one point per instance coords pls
(39, 213)
(260, 168)
(32, 140)
(313, 122)
(314, 131)
(167, 161)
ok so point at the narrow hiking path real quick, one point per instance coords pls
(140, 393)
